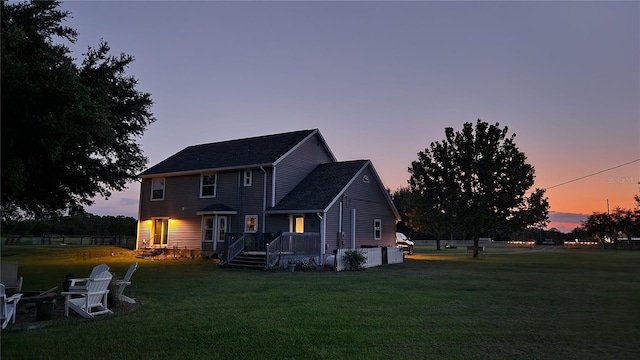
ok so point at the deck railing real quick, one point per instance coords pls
(256, 241)
(292, 246)
(274, 250)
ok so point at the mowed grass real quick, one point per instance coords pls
(561, 304)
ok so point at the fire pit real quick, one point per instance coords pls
(42, 301)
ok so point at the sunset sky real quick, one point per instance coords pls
(382, 80)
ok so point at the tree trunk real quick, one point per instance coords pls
(476, 245)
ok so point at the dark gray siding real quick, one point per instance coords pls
(370, 203)
(182, 196)
(182, 201)
(251, 202)
(333, 220)
(311, 223)
(299, 164)
(277, 223)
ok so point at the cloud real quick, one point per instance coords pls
(565, 221)
(567, 217)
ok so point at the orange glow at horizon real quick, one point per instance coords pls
(592, 196)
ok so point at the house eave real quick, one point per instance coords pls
(213, 212)
(306, 211)
(201, 171)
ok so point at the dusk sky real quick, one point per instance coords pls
(382, 80)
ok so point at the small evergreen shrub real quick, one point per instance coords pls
(354, 260)
(304, 265)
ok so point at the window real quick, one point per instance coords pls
(365, 179)
(251, 223)
(208, 185)
(160, 232)
(208, 228)
(222, 227)
(248, 177)
(377, 229)
(298, 224)
(157, 189)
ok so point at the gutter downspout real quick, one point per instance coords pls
(339, 234)
(323, 240)
(264, 199)
(273, 186)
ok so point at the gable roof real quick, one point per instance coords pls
(232, 154)
(321, 187)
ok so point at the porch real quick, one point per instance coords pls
(262, 250)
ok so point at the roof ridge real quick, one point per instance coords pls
(252, 138)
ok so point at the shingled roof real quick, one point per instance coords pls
(261, 150)
(316, 192)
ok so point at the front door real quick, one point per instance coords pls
(208, 232)
(160, 230)
(213, 229)
(297, 224)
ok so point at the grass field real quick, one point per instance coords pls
(515, 304)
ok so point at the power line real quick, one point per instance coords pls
(595, 173)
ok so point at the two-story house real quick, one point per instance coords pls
(260, 188)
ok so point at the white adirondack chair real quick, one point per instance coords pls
(9, 275)
(80, 284)
(8, 306)
(92, 300)
(122, 284)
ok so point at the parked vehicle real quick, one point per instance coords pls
(404, 242)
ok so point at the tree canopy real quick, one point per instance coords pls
(474, 181)
(611, 227)
(69, 130)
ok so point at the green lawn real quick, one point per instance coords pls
(560, 304)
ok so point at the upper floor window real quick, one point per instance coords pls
(377, 229)
(248, 177)
(157, 189)
(208, 185)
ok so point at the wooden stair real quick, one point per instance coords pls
(148, 252)
(249, 261)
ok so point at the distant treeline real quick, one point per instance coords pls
(536, 235)
(78, 224)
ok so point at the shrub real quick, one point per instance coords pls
(305, 265)
(272, 268)
(354, 260)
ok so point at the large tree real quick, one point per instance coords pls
(474, 181)
(69, 130)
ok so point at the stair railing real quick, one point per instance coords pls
(274, 250)
(235, 248)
